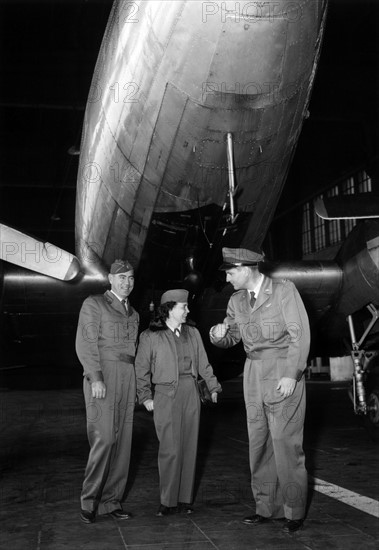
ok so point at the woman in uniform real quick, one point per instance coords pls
(170, 356)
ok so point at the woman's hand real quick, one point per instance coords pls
(149, 404)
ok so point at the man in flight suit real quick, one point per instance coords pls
(270, 318)
(106, 345)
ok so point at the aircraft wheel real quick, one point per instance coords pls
(372, 417)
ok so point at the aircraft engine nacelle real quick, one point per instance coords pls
(28, 293)
(39, 319)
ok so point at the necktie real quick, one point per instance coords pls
(177, 332)
(124, 304)
(252, 299)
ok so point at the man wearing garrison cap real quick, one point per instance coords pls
(106, 345)
(170, 357)
(269, 317)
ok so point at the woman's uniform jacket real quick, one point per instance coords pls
(157, 362)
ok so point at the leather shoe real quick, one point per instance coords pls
(120, 514)
(87, 517)
(185, 508)
(292, 525)
(253, 520)
(162, 511)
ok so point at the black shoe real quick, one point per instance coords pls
(87, 517)
(120, 514)
(292, 525)
(162, 511)
(253, 520)
(185, 508)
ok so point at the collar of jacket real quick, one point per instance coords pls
(165, 327)
(116, 304)
(263, 295)
(192, 350)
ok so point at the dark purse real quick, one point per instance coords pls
(204, 393)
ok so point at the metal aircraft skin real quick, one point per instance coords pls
(194, 113)
(172, 80)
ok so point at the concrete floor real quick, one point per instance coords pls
(44, 451)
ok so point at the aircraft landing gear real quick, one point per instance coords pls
(365, 383)
(373, 409)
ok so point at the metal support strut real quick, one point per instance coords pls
(357, 355)
(232, 187)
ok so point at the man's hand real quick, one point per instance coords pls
(99, 389)
(149, 404)
(214, 397)
(286, 386)
(220, 330)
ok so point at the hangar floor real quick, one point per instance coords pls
(44, 450)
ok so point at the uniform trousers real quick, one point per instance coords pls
(275, 428)
(109, 430)
(176, 422)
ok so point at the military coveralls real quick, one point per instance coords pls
(106, 345)
(276, 338)
(172, 364)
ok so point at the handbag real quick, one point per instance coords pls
(204, 393)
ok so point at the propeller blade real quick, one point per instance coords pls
(42, 257)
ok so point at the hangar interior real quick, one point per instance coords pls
(49, 52)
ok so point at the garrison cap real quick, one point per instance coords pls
(120, 266)
(235, 257)
(177, 295)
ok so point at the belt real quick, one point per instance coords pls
(265, 354)
(114, 356)
(126, 358)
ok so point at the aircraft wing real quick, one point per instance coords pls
(344, 207)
